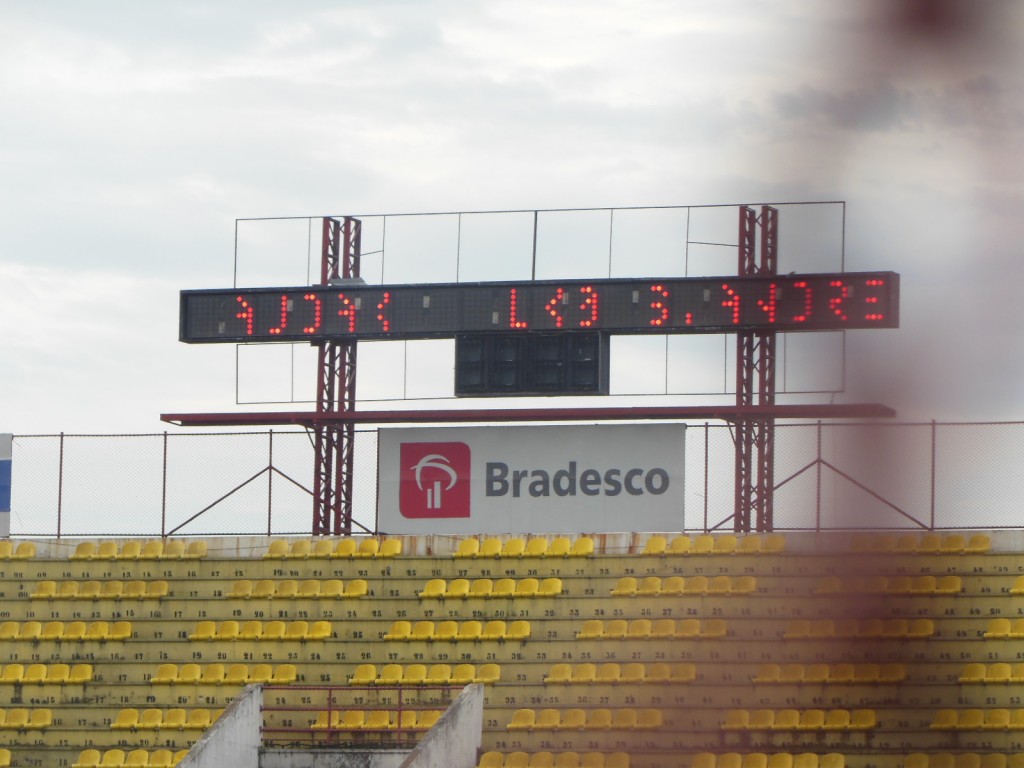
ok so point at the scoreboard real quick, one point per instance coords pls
(356, 311)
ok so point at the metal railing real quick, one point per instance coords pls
(828, 476)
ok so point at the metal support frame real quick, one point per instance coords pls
(755, 381)
(335, 392)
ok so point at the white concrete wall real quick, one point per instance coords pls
(234, 740)
(455, 740)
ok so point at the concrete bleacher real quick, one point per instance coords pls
(807, 650)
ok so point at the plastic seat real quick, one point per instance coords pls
(744, 585)
(663, 628)
(493, 630)
(356, 588)
(174, 719)
(367, 548)
(322, 549)
(648, 586)
(945, 720)
(725, 544)
(513, 547)
(236, 674)
(548, 720)
(921, 628)
(711, 629)
(40, 718)
(780, 760)
(261, 673)
(422, 630)
(320, 630)
(173, 550)
(277, 550)
(811, 720)
(973, 672)
(522, 720)
(12, 673)
(299, 550)
(582, 547)
(88, 758)
(997, 720)
(679, 545)
(130, 550)
(953, 544)
(287, 589)
(837, 720)
(44, 590)
(999, 672)
(616, 629)
(414, 674)
(307, 589)
(550, 587)
(817, 673)
(84, 550)
(9, 630)
(519, 629)
(626, 586)
(892, 672)
(655, 546)
(488, 673)
(736, 720)
(559, 546)
(950, 584)
(189, 673)
(749, 545)
(517, 760)
(331, 589)
(80, 673)
(345, 548)
(120, 630)
(467, 548)
(296, 630)
(150, 719)
(491, 760)
(639, 629)
(34, 673)
(572, 720)
(696, 585)
(673, 586)
(241, 589)
(205, 630)
(263, 588)
(365, 674)
(469, 631)
(480, 588)
(457, 588)
(251, 629)
(449, 630)
(52, 630)
(212, 674)
(126, 719)
(536, 547)
(783, 720)
(770, 673)
(438, 674)
(592, 629)
(633, 672)
(792, 673)
(435, 588)
(463, 674)
(504, 588)
(560, 673)
(687, 629)
(978, 543)
(390, 674)
(865, 673)
(929, 544)
(809, 760)
(284, 674)
(755, 759)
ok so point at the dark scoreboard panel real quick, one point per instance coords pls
(813, 302)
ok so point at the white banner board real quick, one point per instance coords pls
(536, 479)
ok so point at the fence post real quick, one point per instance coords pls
(706, 433)
(60, 484)
(817, 485)
(270, 478)
(163, 492)
(932, 502)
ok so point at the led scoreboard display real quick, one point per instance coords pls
(814, 302)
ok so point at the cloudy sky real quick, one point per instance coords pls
(133, 135)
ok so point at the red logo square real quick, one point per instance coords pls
(433, 480)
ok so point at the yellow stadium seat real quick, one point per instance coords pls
(320, 630)
(414, 674)
(17, 719)
(607, 672)
(536, 547)
(655, 546)
(367, 548)
(755, 760)
(88, 758)
(687, 629)
(892, 672)
(80, 673)
(212, 674)
(550, 587)
(365, 674)
(134, 590)
(467, 548)
(241, 589)
(663, 628)
(25, 550)
(513, 547)
(504, 588)
(457, 588)
(489, 547)
(205, 630)
(58, 674)
(973, 672)
(30, 630)
(52, 630)
(592, 629)
(725, 544)
(771, 673)
(560, 673)
(264, 588)
(704, 760)
(994, 760)
(548, 720)
(744, 585)
(702, 544)
(463, 674)
(720, 585)
(783, 720)
(131, 550)
(345, 548)
(921, 628)
(6, 549)
(356, 588)
(780, 760)
(736, 720)
(773, 544)
(299, 550)
(9, 630)
(296, 630)
(277, 550)
(713, 628)
(491, 760)
(284, 674)
(261, 673)
(639, 629)
(322, 549)
(997, 719)
(582, 547)
(186, 673)
(658, 672)
(236, 674)
(390, 674)
(916, 760)
(448, 630)
(648, 586)
(422, 630)
(816, 673)
(251, 629)
(400, 630)
(929, 544)
(696, 585)
(113, 757)
(863, 719)
(837, 720)
(950, 584)
(105, 550)
(493, 630)
(174, 719)
(522, 720)
(84, 550)
(161, 758)
(633, 672)
(953, 544)
(435, 588)
(542, 760)
(517, 760)
(680, 545)
(174, 550)
(308, 589)
(866, 673)
(616, 629)
(150, 719)
(469, 631)
(806, 760)
(626, 586)
(438, 674)
(617, 760)
(287, 589)
(137, 757)
(126, 719)
(978, 544)
(559, 546)
(572, 720)
(34, 673)
(45, 590)
(331, 589)
(811, 720)
(488, 673)
(112, 590)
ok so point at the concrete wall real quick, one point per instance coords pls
(234, 740)
(321, 758)
(455, 740)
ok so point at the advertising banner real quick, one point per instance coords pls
(6, 445)
(535, 479)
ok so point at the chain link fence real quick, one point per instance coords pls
(827, 476)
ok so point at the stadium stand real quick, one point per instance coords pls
(770, 651)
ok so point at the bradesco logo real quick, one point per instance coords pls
(502, 480)
(434, 480)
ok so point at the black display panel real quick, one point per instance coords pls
(625, 306)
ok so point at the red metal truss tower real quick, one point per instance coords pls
(755, 381)
(334, 439)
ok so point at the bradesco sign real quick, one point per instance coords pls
(545, 479)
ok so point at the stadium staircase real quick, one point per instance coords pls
(711, 651)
